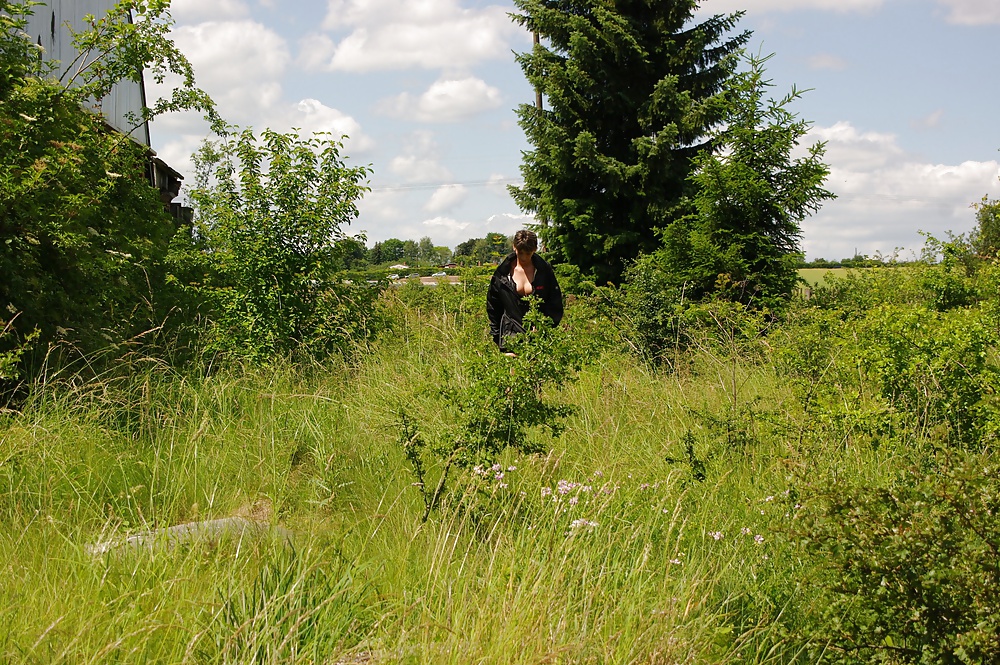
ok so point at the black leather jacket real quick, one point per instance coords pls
(506, 307)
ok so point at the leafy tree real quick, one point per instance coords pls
(392, 250)
(352, 251)
(411, 251)
(465, 249)
(634, 88)
(490, 249)
(425, 250)
(743, 238)
(440, 255)
(375, 255)
(269, 212)
(986, 235)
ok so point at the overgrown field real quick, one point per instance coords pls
(816, 487)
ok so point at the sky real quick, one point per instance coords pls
(903, 92)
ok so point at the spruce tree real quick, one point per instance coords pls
(742, 241)
(632, 89)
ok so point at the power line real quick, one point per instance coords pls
(468, 183)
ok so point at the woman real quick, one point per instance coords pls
(522, 273)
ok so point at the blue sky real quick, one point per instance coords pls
(904, 92)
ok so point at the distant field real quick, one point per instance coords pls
(817, 276)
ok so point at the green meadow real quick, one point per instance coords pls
(688, 512)
(817, 276)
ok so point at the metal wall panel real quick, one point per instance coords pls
(47, 28)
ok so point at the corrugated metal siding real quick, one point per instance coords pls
(48, 28)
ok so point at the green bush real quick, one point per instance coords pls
(262, 258)
(648, 308)
(907, 573)
(493, 405)
(936, 367)
(83, 235)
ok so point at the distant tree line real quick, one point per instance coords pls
(475, 251)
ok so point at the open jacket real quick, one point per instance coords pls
(506, 307)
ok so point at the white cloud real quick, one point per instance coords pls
(497, 184)
(929, 121)
(510, 221)
(311, 116)
(239, 63)
(972, 12)
(400, 34)
(827, 61)
(885, 196)
(315, 51)
(723, 6)
(380, 209)
(446, 223)
(449, 100)
(857, 151)
(191, 11)
(412, 169)
(419, 161)
(445, 197)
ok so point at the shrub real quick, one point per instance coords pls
(908, 573)
(262, 256)
(493, 405)
(648, 308)
(936, 367)
(83, 235)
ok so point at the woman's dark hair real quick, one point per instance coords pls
(526, 240)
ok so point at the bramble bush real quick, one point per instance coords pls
(936, 367)
(494, 405)
(906, 573)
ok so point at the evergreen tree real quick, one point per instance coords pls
(633, 88)
(743, 238)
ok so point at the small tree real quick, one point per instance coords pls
(751, 195)
(269, 213)
(986, 235)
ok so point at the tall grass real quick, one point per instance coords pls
(614, 547)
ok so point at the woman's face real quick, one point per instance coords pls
(523, 254)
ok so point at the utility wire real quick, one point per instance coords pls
(468, 183)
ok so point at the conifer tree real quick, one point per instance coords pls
(742, 242)
(632, 88)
